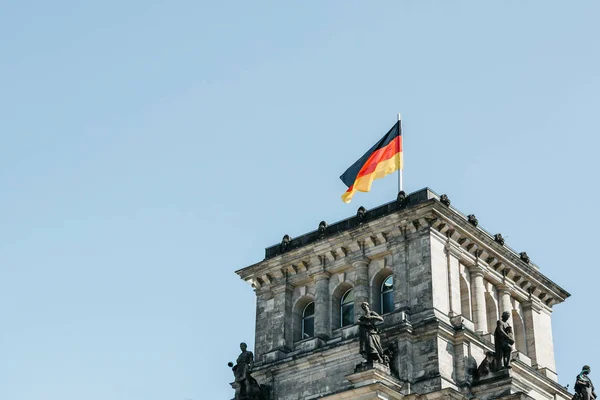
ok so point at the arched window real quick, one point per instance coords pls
(387, 295)
(347, 308)
(308, 321)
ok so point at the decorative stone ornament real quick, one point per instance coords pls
(457, 322)
(472, 219)
(361, 214)
(499, 239)
(445, 200)
(524, 257)
(322, 228)
(487, 365)
(285, 243)
(401, 199)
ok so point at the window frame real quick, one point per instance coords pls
(383, 292)
(304, 318)
(348, 304)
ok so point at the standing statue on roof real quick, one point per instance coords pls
(584, 389)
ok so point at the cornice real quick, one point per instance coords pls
(501, 259)
(373, 236)
(372, 241)
(361, 220)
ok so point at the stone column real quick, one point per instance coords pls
(478, 297)
(361, 288)
(322, 301)
(505, 303)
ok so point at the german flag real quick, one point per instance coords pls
(382, 159)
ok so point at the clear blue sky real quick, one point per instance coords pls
(149, 149)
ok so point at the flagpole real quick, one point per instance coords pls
(400, 169)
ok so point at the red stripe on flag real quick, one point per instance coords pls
(385, 153)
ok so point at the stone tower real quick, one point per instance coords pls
(440, 282)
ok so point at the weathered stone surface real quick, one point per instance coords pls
(452, 281)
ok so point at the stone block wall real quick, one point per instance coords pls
(445, 272)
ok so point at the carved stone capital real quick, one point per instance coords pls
(477, 270)
(504, 288)
(532, 304)
(319, 276)
(361, 262)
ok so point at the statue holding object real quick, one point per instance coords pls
(503, 338)
(584, 389)
(370, 343)
(246, 387)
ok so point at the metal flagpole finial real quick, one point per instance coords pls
(399, 117)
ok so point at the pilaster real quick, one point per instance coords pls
(322, 300)
(538, 330)
(361, 285)
(282, 317)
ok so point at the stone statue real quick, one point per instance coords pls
(245, 385)
(504, 340)
(322, 228)
(361, 214)
(401, 198)
(285, 243)
(487, 365)
(370, 344)
(584, 389)
(445, 200)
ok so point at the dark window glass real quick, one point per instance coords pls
(308, 321)
(387, 295)
(309, 310)
(347, 308)
(309, 328)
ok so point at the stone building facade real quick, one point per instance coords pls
(440, 282)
